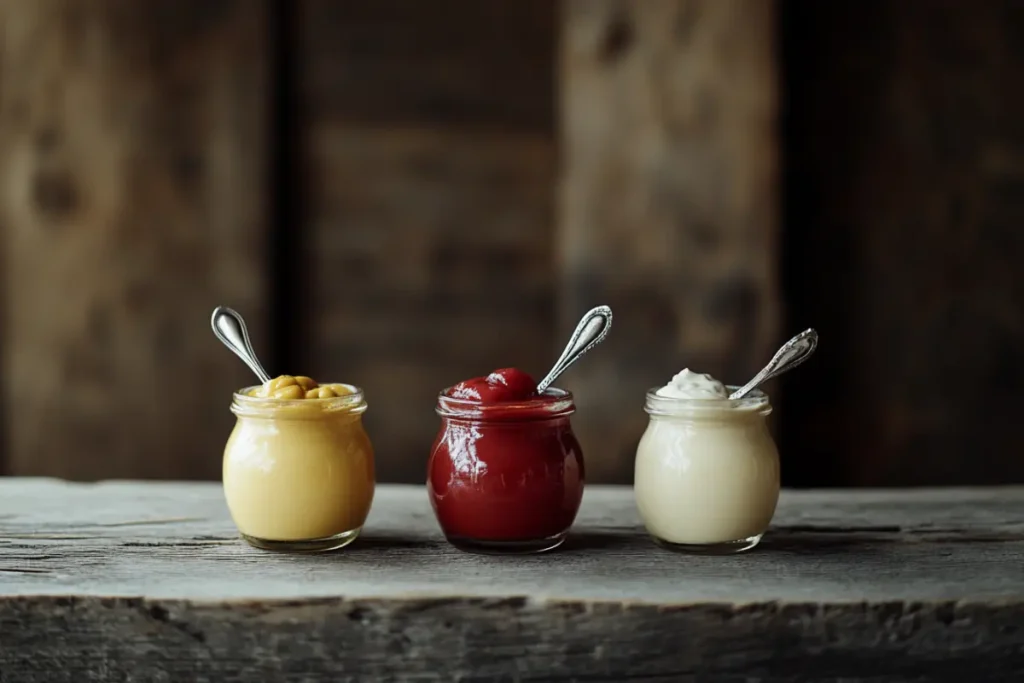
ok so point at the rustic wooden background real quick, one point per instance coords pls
(404, 194)
(905, 221)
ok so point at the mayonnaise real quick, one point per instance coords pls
(693, 385)
(707, 470)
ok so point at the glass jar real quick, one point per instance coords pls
(506, 477)
(707, 473)
(299, 474)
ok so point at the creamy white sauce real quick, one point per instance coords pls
(707, 482)
(693, 385)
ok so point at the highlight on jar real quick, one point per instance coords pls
(298, 467)
(505, 474)
(706, 478)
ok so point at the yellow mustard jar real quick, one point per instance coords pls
(298, 467)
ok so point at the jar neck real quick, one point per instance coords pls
(553, 404)
(350, 405)
(753, 406)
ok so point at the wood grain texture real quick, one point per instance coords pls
(906, 200)
(668, 201)
(132, 151)
(131, 581)
(428, 162)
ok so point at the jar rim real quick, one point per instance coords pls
(554, 402)
(756, 402)
(244, 404)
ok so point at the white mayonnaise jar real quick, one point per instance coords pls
(707, 471)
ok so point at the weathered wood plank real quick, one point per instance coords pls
(131, 581)
(428, 159)
(906, 200)
(668, 203)
(132, 152)
(77, 640)
(174, 540)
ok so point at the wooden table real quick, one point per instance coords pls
(126, 581)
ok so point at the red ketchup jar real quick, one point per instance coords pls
(506, 471)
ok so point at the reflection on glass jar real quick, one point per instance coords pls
(506, 477)
(707, 473)
(299, 474)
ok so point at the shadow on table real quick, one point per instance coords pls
(800, 540)
(603, 539)
(577, 541)
(392, 541)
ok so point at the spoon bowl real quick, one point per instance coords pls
(590, 331)
(791, 354)
(229, 327)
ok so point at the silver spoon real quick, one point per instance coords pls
(229, 327)
(592, 329)
(791, 354)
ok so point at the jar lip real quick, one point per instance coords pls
(755, 402)
(553, 402)
(243, 402)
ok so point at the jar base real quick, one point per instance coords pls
(312, 545)
(486, 547)
(725, 548)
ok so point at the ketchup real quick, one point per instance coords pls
(501, 386)
(506, 471)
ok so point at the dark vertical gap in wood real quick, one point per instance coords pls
(797, 54)
(285, 246)
(5, 443)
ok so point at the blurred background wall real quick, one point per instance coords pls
(402, 194)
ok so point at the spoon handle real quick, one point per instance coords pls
(229, 327)
(793, 353)
(592, 329)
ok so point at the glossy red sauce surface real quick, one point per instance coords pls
(506, 473)
(501, 386)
